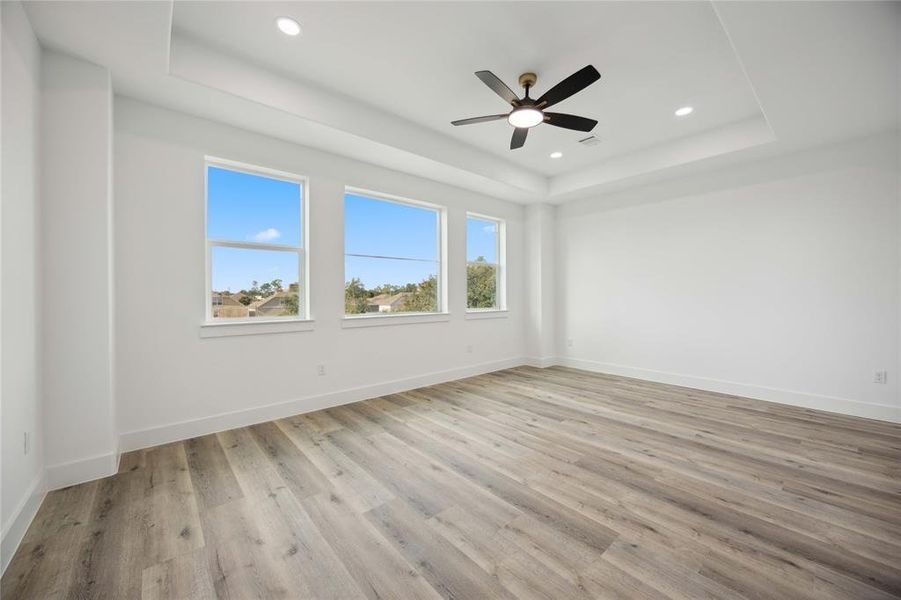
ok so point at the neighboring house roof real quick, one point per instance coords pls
(262, 302)
(392, 300)
(226, 299)
(230, 312)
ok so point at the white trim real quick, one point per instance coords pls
(218, 329)
(486, 313)
(21, 517)
(372, 194)
(868, 410)
(82, 470)
(249, 169)
(443, 273)
(254, 245)
(541, 362)
(145, 438)
(382, 319)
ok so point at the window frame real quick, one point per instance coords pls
(501, 265)
(302, 251)
(367, 319)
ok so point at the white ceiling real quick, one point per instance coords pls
(381, 81)
(417, 61)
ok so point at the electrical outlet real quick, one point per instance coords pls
(26, 443)
(320, 369)
(569, 342)
(468, 349)
(880, 377)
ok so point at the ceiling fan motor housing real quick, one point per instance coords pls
(528, 80)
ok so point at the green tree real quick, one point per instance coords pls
(424, 298)
(292, 304)
(481, 284)
(355, 297)
(386, 288)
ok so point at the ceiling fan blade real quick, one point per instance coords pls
(519, 137)
(500, 88)
(573, 84)
(569, 121)
(478, 120)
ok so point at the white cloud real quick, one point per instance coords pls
(267, 235)
(488, 228)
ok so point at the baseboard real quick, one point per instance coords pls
(79, 471)
(541, 362)
(883, 412)
(14, 529)
(154, 436)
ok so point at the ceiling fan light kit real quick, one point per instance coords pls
(528, 113)
(525, 117)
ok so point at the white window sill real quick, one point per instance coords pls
(488, 313)
(226, 328)
(380, 320)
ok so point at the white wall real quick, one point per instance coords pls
(76, 192)
(541, 286)
(20, 315)
(777, 280)
(171, 383)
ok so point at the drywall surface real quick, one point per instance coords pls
(76, 192)
(777, 280)
(541, 289)
(172, 383)
(20, 255)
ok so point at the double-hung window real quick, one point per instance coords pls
(485, 257)
(392, 255)
(255, 251)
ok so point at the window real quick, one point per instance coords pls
(392, 255)
(255, 244)
(484, 263)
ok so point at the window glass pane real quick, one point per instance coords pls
(389, 285)
(481, 240)
(254, 283)
(379, 228)
(481, 285)
(252, 208)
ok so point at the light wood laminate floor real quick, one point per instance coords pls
(525, 483)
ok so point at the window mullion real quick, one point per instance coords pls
(254, 245)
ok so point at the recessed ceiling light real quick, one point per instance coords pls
(684, 111)
(556, 155)
(288, 26)
(525, 117)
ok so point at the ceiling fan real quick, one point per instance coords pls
(528, 113)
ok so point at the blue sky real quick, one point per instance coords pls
(481, 239)
(235, 268)
(244, 207)
(406, 235)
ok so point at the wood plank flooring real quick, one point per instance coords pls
(526, 483)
